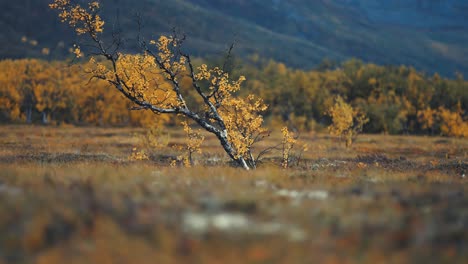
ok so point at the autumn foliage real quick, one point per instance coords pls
(34, 90)
(151, 80)
(395, 99)
(56, 92)
(347, 122)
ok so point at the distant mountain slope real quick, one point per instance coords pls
(430, 35)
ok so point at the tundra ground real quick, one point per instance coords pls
(71, 195)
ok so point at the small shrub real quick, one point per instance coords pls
(288, 143)
(346, 121)
(194, 140)
(138, 155)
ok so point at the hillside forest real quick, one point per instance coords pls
(429, 35)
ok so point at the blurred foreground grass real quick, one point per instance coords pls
(70, 195)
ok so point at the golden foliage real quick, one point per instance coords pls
(165, 45)
(244, 123)
(142, 81)
(76, 50)
(452, 123)
(12, 75)
(427, 118)
(346, 121)
(288, 143)
(193, 142)
(342, 117)
(241, 115)
(219, 82)
(82, 19)
(63, 93)
(138, 155)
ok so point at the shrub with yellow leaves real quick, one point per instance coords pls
(194, 140)
(347, 122)
(138, 155)
(288, 143)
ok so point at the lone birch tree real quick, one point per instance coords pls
(235, 121)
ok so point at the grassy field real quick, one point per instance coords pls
(71, 195)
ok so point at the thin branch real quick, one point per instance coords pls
(228, 56)
(213, 109)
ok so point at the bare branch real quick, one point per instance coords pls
(228, 56)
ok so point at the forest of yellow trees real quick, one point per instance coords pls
(396, 99)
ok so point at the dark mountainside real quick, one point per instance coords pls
(430, 35)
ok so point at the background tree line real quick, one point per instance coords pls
(396, 99)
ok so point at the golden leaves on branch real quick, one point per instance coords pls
(166, 55)
(76, 50)
(141, 79)
(243, 122)
(241, 115)
(219, 81)
(82, 19)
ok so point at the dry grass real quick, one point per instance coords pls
(70, 195)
